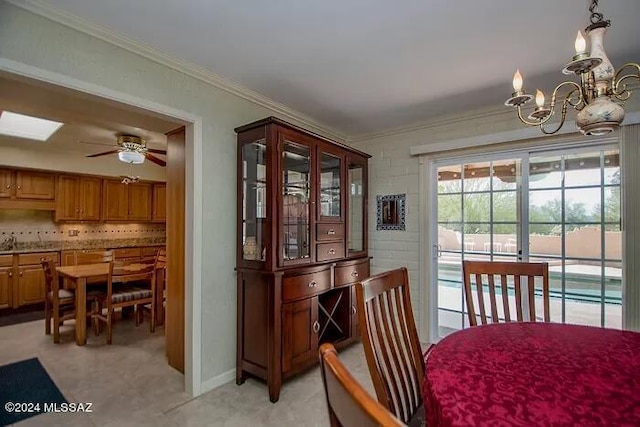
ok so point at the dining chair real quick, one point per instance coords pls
(59, 303)
(511, 274)
(93, 257)
(160, 263)
(391, 344)
(348, 402)
(126, 287)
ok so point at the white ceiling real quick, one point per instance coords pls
(363, 66)
(91, 125)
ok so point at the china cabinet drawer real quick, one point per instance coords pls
(352, 273)
(329, 251)
(305, 285)
(327, 232)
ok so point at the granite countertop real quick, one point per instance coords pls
(57, 246)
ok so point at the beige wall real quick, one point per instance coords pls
(33, 40)
(392, 170)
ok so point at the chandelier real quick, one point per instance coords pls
(596, 96)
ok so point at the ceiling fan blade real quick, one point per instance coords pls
(153, 150)
(104, 154)
(155, 159)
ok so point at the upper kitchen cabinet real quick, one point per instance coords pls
(115, 201)
(35, 185)
(5, 182)
(139, 202)
(78, 198)
(159, 213)
(122, 202)
(26, 189)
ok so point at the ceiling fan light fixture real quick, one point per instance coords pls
(133, 157)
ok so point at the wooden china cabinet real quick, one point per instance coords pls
(302, 245)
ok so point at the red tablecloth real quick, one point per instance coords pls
(530, 374)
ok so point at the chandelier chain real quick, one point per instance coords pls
(595, 16)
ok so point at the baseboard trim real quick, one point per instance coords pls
(217, 381)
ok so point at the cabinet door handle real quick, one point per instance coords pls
(313, 284)
(332, 251)
(316, 326)
(8, 186)
(331, 231)
(20, 274)
(11, 274)
(19, 187)
(354, 274)
(354, 310)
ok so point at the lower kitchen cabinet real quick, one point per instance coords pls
(31, 284)
(6, 286)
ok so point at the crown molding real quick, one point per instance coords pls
(431, 123)
(67, 19)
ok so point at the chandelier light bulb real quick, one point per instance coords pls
(539, 98)
(580, 44)
(517, 81)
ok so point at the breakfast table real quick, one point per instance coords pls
(77, 276)
(534, 374)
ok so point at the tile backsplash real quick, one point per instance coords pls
(38, 226)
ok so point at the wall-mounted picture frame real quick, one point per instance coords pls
(391, 212)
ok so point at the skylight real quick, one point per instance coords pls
(14, 124)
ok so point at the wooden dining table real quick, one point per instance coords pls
(77, 276)
(534, 374)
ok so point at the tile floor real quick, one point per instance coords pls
(130, 383)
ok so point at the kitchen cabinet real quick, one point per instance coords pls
(30, 281)
(34, 185)
(5, 183)
(139, 201)
(159, 213)
(115, 199)
(6, 280)
(300, 247)
(78, 198)
(122, 202)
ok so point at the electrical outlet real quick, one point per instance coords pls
(74, 232)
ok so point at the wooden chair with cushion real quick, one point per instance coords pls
(93, 257)
(391, 344)
(160, 263)
(348, 402)
(59, 304)
(128, 285)
(510, 274)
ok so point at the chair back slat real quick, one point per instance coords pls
(391, 335)
(93, 257)
(409, 356)
(50, 278)
(504, 286)
(518, 289)
(479, 287)
(506, 271)
(391, 342)
(532, 298)
(348, 402)
(492, 297)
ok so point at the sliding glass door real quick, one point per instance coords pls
(560, 208)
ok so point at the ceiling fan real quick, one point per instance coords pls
(133, 149)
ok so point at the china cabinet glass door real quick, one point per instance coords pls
(296, 193)
(254, 207)
(330, 186)
(357, 207)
